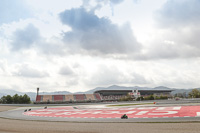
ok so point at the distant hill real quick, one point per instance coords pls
(32, 95)
(162, 88)
(9, 92)
(115, 87)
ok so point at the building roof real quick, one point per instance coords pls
(124, 92)
(98, 91)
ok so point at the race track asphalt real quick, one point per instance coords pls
(18, 114)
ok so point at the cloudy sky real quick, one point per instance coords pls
(65, 45)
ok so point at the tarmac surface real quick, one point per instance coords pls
(103, 113)
(14, 120)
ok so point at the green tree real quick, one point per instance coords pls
(126, 98)
(157, 97)
(151, 97)
(3, 99)
(163, 97)
(9, 99)
(140, 98)
(26, 99)
(20, 99)
(194, 93)
(16, 98)
(181, 95)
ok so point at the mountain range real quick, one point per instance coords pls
(32, 95)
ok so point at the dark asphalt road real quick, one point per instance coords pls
(18, 114)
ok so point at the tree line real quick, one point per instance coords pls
(16, 99)
(195, 93)
(150, 97)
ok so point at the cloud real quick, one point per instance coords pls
(136, 1)
(159, 49)
(97, 35)
(80, 19)
(113, 3)
(178, 23)
(30, 72)
(109, 75)
(99, 4)
(179, 13)
(116, 1)
(13, 11)
(25, 38)
(65, 71)
(106, 76)
(51, 48)
(3, 65)
(138, 79)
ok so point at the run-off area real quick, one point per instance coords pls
(140, 112)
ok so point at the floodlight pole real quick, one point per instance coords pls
(38, 91)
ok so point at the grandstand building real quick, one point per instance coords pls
(71, 98)
(100, 95)
(117, 94)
